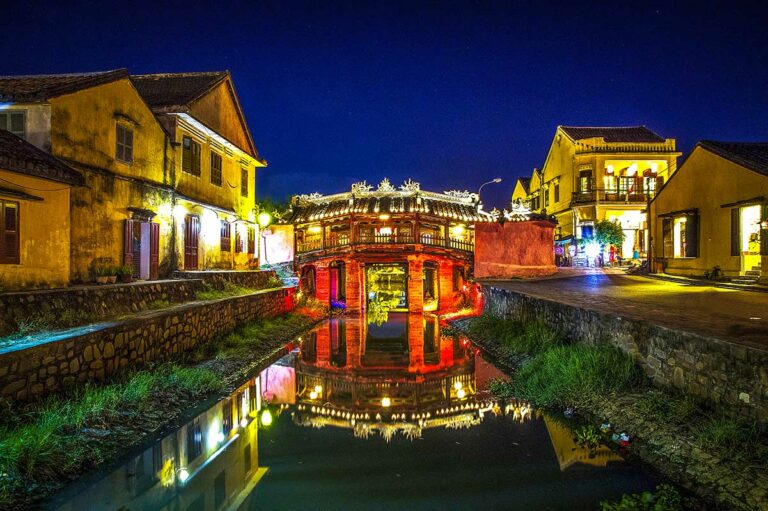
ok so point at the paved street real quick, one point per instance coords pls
(735, 315)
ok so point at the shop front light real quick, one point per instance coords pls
(266, 417)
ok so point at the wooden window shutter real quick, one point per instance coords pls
(692, 236)
(667, 238)
(251, 240)
(735, 232)
(764, 232)
(154, 250)
(128, 243)
(9, 232)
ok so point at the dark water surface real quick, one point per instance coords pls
(390, 416)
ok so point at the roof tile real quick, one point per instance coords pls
(32, 88)
(170, 91)
(20, 156)
(640, 134)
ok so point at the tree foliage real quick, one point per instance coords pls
(609, 233)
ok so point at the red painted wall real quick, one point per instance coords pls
(514, 249)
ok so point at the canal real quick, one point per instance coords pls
(389, 415)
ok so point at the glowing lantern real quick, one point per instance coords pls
(183, 475)
(265, 219)
(457, 385)
(461, 394)
(266, 417)
(386, 402)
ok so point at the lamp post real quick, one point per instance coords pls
(494, 180)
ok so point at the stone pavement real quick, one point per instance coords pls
(733, 315)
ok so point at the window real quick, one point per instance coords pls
(194, 440)
(546, 198)
(13, 122)
(587, 231)
(585, 181)
(190, 156)
(124, 147)
(227, 417)
(226, 236)
(238, 241)
(244, 182)
(9, 232)
(557, 192)
(215, 169)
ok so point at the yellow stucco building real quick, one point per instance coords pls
(597, 173)
(34, 215)
(714, 212)
(168, 163)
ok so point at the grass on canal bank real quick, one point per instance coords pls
(46, 444)
(552, 373)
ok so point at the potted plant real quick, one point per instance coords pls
(112, 277)
(102, 274)
(125, 273)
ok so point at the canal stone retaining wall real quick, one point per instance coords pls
(100, 351)
(255, 279)
(706, 368)
(94, 302)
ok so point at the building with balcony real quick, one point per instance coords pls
(600, 173)
(400, 249)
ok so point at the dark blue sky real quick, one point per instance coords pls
(449, 94)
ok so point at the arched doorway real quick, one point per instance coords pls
(338, 283)
(431, 287)
(307, 281)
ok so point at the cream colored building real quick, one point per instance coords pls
(714, 212)
(598, 173)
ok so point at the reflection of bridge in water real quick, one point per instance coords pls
(401, 377)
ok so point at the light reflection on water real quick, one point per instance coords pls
(391, 416)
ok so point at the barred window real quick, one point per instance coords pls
(215, 169)
(124, 147)
(244, 182)
(190, 156)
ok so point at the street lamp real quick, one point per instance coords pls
(494, 180)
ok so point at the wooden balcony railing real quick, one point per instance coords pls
(611, 195)
(385, 239)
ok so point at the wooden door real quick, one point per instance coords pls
(191, 235)
(154, 250)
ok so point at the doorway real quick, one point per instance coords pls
(749, 238)
(191, 238)
(338, 278)
(142, 240)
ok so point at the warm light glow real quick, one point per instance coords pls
(183, 475)
(265, 219)
(457, 230)
(592, 250)
(457, 385)
(461, 394)
(243, 422)
(220, 436)
(632, 169)
(384, 216)
(266, 417)
(313, 395)
(210, 226)
(609, 169)
(386, 402)
(318, 389)
(179, 212)
(315, 229)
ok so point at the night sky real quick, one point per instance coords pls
(449, 94)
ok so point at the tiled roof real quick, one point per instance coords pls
(31, 88)
(640, 134)
(316, 210)
(20, 156)
(172, 91)
(752, 155)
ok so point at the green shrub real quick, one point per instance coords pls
(512, 337)
(732, 437)
(666, 498)
(566, 375)
(229, 290)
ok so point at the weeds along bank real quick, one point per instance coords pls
(717, 456)
(46, 444)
